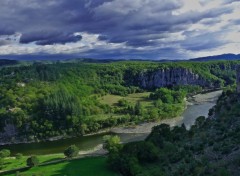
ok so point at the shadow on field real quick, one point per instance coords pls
(92, 166)
(51, 160)
(12, 172)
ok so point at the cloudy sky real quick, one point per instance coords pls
(126, 29)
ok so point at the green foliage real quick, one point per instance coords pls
(123, 103)
(19, 156)
(5, 153)
(32, 161)
(112, 143)
(209, 144)
(1, 163)
(168, 96)
(199, 121)
(43, 100)
(190, 89)
(71, 151)
(138, 109)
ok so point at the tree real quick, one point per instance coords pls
(5, 153)
(158, 103)
(138, 108)
(123, 103)
(32, 161)
(71, 151)
(153, 113)
(200, 121)
(19, 156)
(112, 143)
(1, 163)
(211, 112)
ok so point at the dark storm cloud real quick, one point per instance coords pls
(134, 27)
(166, 53)
(203, 41)
(49, 37)
(102, 37)
(6, 31)
(138, 23)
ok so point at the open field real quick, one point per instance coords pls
(12, 163)
(86, 166)
(112, 100)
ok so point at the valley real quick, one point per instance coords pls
(59, 100)
(119, 88)
(196, 108)
(47, 112)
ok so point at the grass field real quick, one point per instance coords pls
(112, 100)
(12, 163)
(95, 166)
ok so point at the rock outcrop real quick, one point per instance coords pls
(171, 76)
(9, 133)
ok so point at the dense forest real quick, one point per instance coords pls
(5, 62)
(210, 147)
(39, 101)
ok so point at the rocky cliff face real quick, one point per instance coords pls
(171, 76)
(8, 134)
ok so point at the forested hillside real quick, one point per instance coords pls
(210, 147)
(4, 62)
(39, 101)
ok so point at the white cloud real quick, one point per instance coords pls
(190, 28)
(88, 42)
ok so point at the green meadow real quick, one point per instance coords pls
(90, 166)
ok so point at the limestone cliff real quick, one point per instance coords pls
(8, 134)
(171, 76)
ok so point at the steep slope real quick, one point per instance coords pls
(171, 77)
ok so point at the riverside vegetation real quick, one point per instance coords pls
(210, 147)
(40, 101)
(46, 100)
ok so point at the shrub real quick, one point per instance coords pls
(5, 153)
(19, 156)
(71, 151)
(32, 161)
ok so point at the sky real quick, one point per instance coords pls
(118, 29)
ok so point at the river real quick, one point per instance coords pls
(198, 105)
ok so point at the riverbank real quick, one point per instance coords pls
(196, 106)
(135, 133)
(144, 128)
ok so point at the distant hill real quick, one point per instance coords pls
(218, 57)
(4, 62)
(63, 58)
